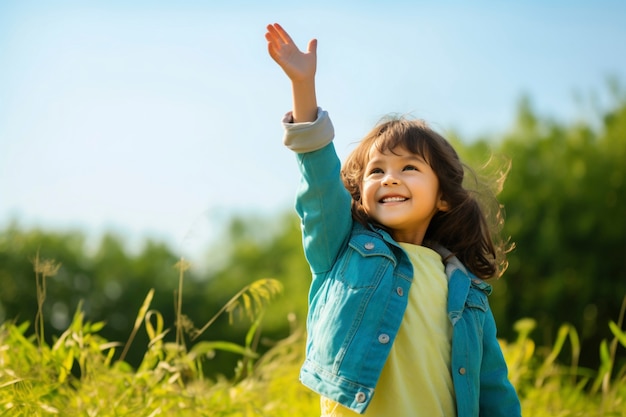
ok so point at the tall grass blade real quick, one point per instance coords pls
(619, 334)
(260, 291)
(43, 268)
(182, 266)
(140, 317)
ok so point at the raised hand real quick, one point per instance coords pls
(298, 65)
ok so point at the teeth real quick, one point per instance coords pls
(393, 199)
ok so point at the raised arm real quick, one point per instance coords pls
(299, 66)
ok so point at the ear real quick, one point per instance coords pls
(442, 205)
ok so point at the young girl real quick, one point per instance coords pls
(399, 323)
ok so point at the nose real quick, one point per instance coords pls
(390, 179)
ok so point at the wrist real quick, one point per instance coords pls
(304, 101)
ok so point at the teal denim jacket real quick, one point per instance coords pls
(359, 290)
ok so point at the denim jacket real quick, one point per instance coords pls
(359, 292)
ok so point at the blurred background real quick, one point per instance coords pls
(136, 133)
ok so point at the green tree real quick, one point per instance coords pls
(565, 203)
(111, 282)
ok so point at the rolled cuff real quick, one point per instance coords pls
(308, 136)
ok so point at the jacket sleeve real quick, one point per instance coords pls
(322, 202)
(497, 395)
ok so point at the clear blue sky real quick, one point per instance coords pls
(158, 119)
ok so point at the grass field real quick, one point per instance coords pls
(81, 374)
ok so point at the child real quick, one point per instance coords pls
(399, 323)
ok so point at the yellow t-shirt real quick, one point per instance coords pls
(416, 379)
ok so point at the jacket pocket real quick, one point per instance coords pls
(477, 299)
(364, 263)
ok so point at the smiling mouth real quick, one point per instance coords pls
(393, 199)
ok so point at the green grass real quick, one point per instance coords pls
(81, 374)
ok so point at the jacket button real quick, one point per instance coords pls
(369, 246)
(360, 397)
(462, 371)
(383, 338)
(400, 291)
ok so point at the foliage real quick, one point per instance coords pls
(565, 202)
(77, 376)
(111, 280)
(549, 388)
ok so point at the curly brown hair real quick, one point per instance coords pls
(470, 228)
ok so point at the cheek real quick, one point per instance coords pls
(366, 193)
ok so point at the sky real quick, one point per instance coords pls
(155, 119)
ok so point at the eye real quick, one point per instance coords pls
(376, 171)
(410, 168)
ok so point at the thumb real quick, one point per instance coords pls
(312, 47)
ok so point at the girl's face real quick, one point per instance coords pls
(401, 192)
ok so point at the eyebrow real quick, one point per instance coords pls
(411, 157)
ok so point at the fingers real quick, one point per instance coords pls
(278, 37)
(275, 41)
(276, 33)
